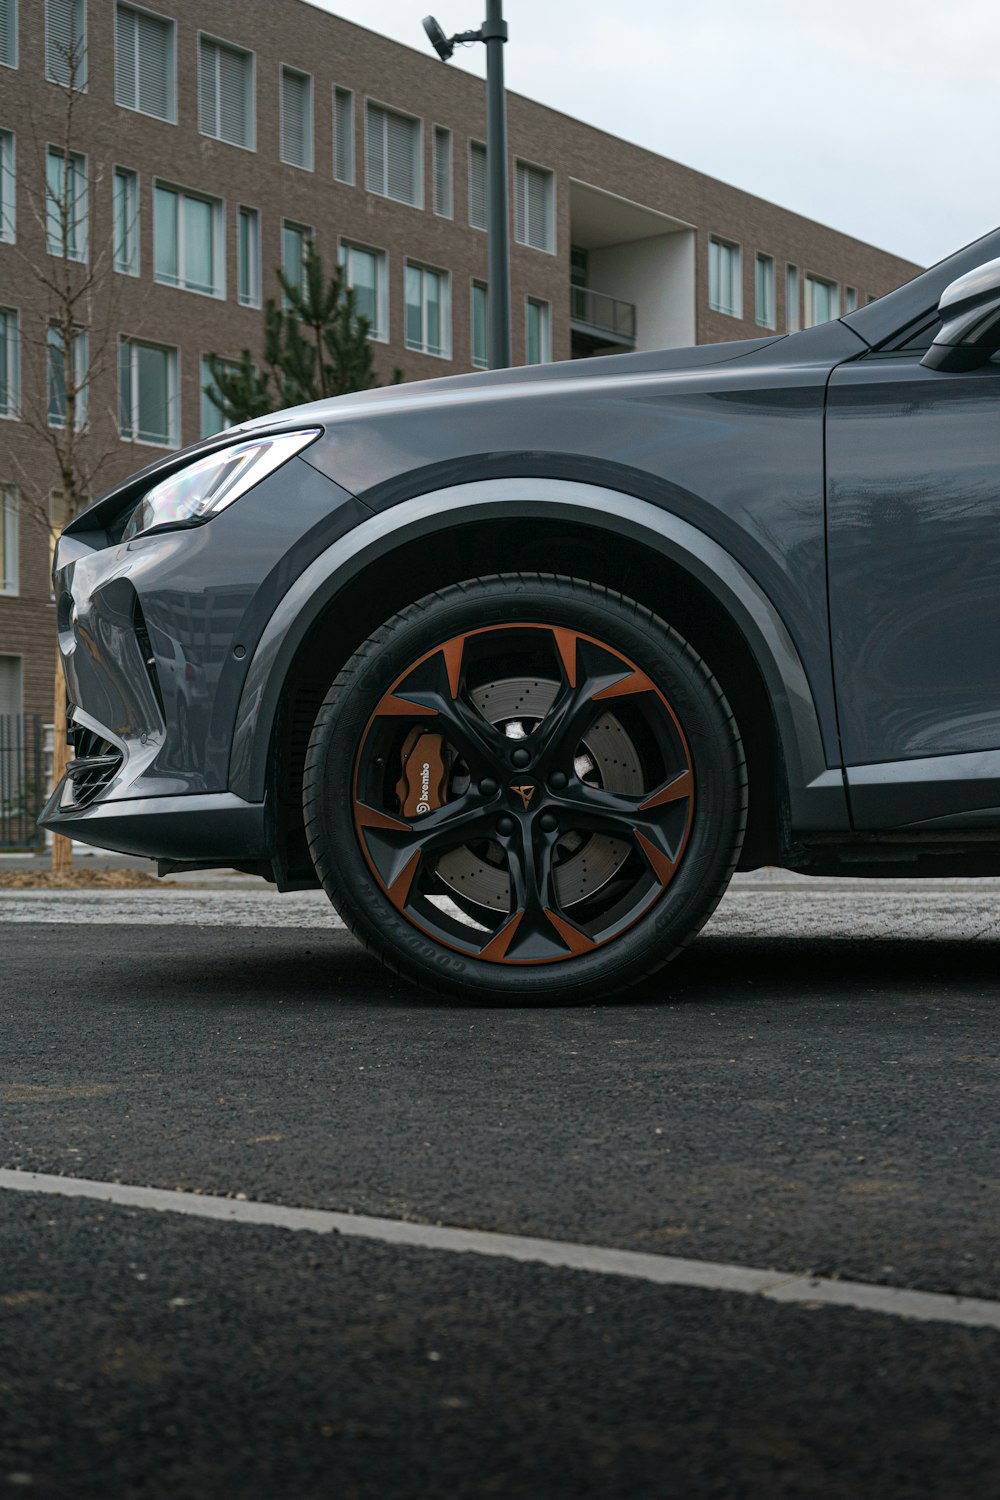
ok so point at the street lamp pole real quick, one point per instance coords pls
(498, 294)
(493, 33)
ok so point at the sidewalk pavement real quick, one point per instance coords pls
(768, 904)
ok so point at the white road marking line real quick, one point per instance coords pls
(663, 1270)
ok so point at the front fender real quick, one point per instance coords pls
(816, 792)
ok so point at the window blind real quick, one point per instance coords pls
(343, 135)
(442, 171)
(8, 33)
(296, 118)
(144, 62)
(477, 186)
(66, 42)
(225, 93)
(532, 211)
(392, 156)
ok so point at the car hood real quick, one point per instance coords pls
(616, 366)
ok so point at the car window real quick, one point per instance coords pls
(915, 339)
(921, 339)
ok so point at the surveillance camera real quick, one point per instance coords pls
(442, 46)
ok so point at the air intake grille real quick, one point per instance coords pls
(94, 767)
(146, 651)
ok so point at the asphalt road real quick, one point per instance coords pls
(804, 1102)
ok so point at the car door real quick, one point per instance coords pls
(913, 497)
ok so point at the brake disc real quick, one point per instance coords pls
(584, 863)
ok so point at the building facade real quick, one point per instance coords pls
(202, 147)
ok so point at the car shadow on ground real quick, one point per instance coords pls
(266, 966)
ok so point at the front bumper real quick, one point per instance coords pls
(216, 828)
(156, 636)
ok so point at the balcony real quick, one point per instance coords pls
(600, 322)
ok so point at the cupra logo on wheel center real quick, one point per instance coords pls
(526, 793)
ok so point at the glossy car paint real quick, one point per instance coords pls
(715, 458)
(913, 462)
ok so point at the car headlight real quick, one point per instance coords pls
(199, 491)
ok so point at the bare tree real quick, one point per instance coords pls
(69, 342)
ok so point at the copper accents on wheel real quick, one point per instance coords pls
(633, 682)
(662, 864)
(681, 786)
(426, 791)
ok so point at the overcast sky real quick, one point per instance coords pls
(878, 117)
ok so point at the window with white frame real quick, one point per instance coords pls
(294, 243)
(428, 320)
(9, 547)
(8, 33)
(66, 204)
(296, 119)
(725, 277)
(10, 362)
(478, 197)
(226, 93)
(365, 272)
(534, 207)
(822, 300)
(66, 42)
(850, 299)
(764, 291)
(145, 62)
(126, 213)
(188, 241)
(393, 157)
(57, 371)
(793, 315)
(213, 418)
(480, 326)
(442, 172)
(343, 135)
(248, 257)
(537, 332)
(148, 393)
(8, 187)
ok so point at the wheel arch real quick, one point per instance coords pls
(550, 526)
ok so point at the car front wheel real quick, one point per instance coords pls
(525, 788)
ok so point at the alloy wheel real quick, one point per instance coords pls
(523, 793)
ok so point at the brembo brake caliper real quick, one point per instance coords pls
(423, 784)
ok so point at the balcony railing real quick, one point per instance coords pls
(597, 313)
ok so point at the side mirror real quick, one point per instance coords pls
(970, 321)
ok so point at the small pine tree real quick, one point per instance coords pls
(317, 345)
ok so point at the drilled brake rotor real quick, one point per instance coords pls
(607, 757)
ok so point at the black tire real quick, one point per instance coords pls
(663, 700)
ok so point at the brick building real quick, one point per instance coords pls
(208, 142)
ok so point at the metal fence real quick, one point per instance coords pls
(22, 780)
(598, 310)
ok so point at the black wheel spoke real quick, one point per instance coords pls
(540, 926)
(557, 737)
(637, 819)
(465, 729)
(447, 827)
(456, 718)
(581, 699)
